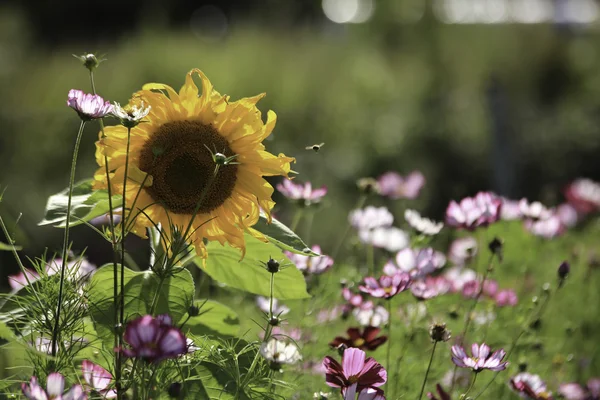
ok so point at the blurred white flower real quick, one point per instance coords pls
(280, 352)
(278, 309)
(421, 224)
(390, 238)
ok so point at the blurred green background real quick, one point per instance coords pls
(500, 95)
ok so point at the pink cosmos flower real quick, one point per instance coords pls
(154, 339)
(510, 210)
(355, 369)
(567, 214)
(506, 297)
(88, 106)
(548, 228)
(473, 212)
(389, 237)
(387, 286)
(98, 379)
(55, 386)
(330, 314)
(394, 186)
(370, 218)
(534, 211)
(462, 251)
(459, 277)
(365, 394)
(302, 192)
(530, 386)
(574, 391)
(584, 195)
(369, 314)
(418, 263)
(77, 270)
(429, 287)
(311, 265)
(481, 358)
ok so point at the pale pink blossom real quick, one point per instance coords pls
(394, 186)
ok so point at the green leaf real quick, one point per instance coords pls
(282, 236)
(215, 319)
(8, 247)
(86, 204)
(223, 265)
(6, 334)
(175, 295)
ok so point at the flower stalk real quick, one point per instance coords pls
(55, 330)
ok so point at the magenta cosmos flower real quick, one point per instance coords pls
(354, 370)
(88, 106)
(365, 394)
(98, 379)
(530, 386)
(55, 386)
(584, 195)
(473, 212)
(304, 193)
(481, 358)
(154, 339)
(506, 297)
(387, 286)
(311, 265)
(395, 186)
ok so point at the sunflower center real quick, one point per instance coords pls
(178, 156)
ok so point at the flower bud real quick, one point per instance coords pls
(563, 272)
(272, 266)
(174, 390)
(495, 247)
(274, 321)
(439, 333)
(341, 349)
(367, 185)
(193, 310)
(89, 60)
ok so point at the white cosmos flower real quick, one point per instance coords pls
(421, 224)
(132, 115)
(390, 238)
(278, 309)
(280, 352)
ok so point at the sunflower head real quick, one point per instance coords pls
(196, 164)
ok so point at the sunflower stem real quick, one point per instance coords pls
(66, 240)
(428, 368)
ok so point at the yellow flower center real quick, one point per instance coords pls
(359, 342)
(177, 156)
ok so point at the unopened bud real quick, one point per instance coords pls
(563, 272)
(273, 266)
(193, 310)
(174, 390)
(367, 185)
(220, 158)
(495, 247)
(89, 60)
(274, 321)
(341, 349)
(439, 333)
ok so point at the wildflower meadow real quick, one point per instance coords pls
(214, 286)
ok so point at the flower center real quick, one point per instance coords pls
(178, 156)
(359, 342)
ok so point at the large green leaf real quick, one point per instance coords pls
(86, 204)
(174, 297)
(282, 236)
(214, 319)
(249, 274)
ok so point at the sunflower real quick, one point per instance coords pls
(171, 173)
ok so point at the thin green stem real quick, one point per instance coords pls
(371, 259)
(308, 226)
(471, 386)
(359, 204)
(55, 332)
(389, 339)
(297, 218)
(428, 368)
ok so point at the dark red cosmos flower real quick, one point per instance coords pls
(441, 392)
(365, 340)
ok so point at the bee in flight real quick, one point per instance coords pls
(315, 147)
